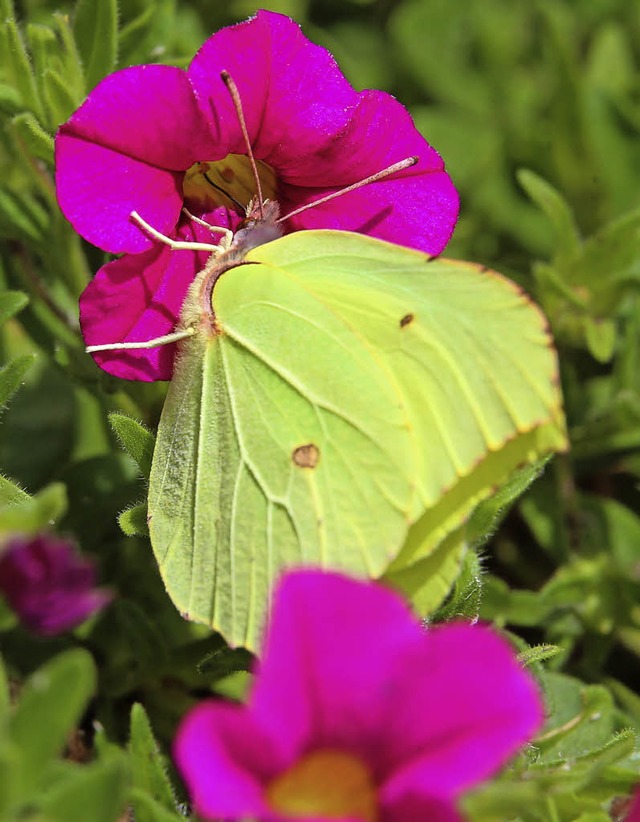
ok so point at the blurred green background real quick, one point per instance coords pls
(535, 107)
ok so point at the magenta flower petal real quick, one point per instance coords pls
(353, 691)
(487, 710)
(224, 760)
(633, 814)
(380, 132)
(422, 222)
(327, 647)
(137, 298)
(128, 147)
(141, 129)
(48, 585)
(421, 809)
(330, 138)
(417, 207)
(98, 188)
(294, 96)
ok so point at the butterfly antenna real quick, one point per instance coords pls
(379, 175)
(227, 79)
(226, 193)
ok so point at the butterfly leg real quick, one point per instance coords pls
(174, 245)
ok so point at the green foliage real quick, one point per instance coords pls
(28, 515)
(152, 792)
(11, 376)
(133, 521)
(95, 26)
(534, 107)
(137, 441)
(37, 730)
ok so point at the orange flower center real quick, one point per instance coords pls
(325, 783)
(233, 175)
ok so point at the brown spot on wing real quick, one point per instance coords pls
(406, 320)
(306, 456)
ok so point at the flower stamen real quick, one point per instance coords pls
(326, 783)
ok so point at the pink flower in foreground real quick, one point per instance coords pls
(48, 585)
(633, 814)
(358, 713)
(145, 135)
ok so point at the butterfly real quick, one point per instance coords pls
(337, 401)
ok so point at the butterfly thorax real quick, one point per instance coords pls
(257, 228)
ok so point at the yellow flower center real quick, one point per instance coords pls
(233, 175)
(325, 783)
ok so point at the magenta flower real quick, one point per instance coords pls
(48, 585)
(145, 136)
(358, 713)
(633, 814)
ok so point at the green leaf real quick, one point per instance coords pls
(620, 747)
(32, 514)
(4, 700)
(147, 766)
(43, 414)
(99, 488)
(9, 779)
(148, 810)
(50, 705)
(10, 493)
(11, 303)
(609, 264)
(427, 581)
(486, 518)
(325, 452)
(556, 208)
(627, 698)
(225, 661)
(132, 36)
(38, 141)
(136, 440)
(71, 63)
(613, 528)
(133, 521)
(59, 96)
(15, 218)
(537, 654)
(12, 376)
(503, 604)
(581, 719)
(601, 338)
(147, 649)
(467, 591)
(44, 47)
(100, 787)
(17, 65)
(95, 26)
(10, 100)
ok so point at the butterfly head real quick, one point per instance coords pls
(259, 226)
